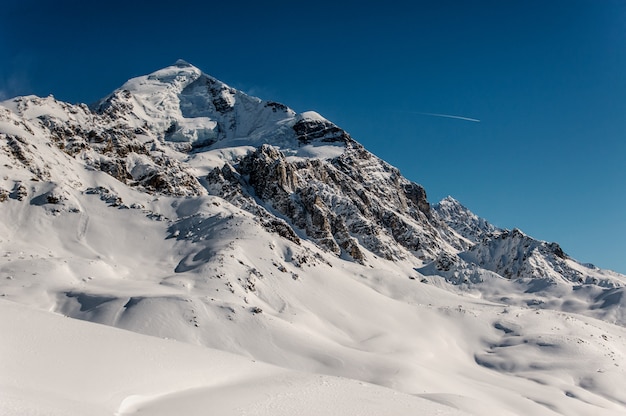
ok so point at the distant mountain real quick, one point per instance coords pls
(180, 207)
(463, 221)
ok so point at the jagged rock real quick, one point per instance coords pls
(445, 262)
(280, 227)
(337, 204)
(312, 127)
(16, 146)
(463, 221)
(106, 195)
(513, 254)
(19, 192)
(302, 175)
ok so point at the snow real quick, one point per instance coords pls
(257, 323)
(52, 365)
(311, 115)
(181, 104)
(197, 129)
(369, 324)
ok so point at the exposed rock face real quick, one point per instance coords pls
(105, 143)
(349, 201)
(300, 175)
(228, 183)
(463, 221)
(507, 253)
(309, 129)
(513, 254)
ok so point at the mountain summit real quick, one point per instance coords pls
(180, 207)
(181, 104)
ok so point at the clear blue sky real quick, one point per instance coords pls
(546, 79)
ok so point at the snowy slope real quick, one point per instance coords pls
(180, 104)
(60, 366)
(181, 208)
(499, 262)
(369, 324)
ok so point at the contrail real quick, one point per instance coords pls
(445, 115)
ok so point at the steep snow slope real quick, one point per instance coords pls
(181, 104)
(182, 208)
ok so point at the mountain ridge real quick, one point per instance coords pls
(148, 131)
(179, 207)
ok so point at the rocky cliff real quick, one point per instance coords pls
(181, 133)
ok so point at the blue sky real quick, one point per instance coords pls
(546, 79)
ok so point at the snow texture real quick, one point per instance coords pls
(292, 271)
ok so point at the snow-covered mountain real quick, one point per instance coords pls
(463, 221)
(180, 207)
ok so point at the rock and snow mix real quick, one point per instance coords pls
(181, 208)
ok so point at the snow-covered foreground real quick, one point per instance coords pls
(320, 315)
(52, 365)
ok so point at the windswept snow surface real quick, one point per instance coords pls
(231, 285)
(52, 365)
(108, 216)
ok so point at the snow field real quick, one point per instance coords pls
(52, 365)
(77, 243)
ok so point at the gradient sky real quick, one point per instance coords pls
(546, 79)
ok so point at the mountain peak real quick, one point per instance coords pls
(462, 220)
(184, 106)
(449, 204)
(311, 115)
(182, 208)
(181, 63)
(450, 201)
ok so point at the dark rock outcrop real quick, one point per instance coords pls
(343, 203)
(309, 130)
